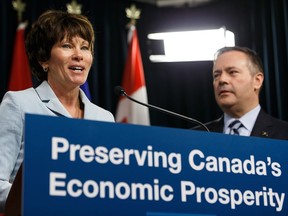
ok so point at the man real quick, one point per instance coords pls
(237, 79)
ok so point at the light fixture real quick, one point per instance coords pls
(192, 45)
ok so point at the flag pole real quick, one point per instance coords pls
(20, 75)
(19, 6)
(133, 13)
(133, 79)
(74, 7)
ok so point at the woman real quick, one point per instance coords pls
(60, 53)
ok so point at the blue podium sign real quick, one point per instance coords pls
(80, 167)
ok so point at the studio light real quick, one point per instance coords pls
(192, 45)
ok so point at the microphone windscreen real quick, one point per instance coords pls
(119, 90)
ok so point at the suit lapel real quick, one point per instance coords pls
(51, 101)
(216, 125)
(262, 126)
(89, 108)
(219, 127)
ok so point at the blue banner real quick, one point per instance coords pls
(80, 167)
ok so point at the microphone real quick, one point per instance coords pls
(121, 92)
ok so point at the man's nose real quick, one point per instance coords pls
(223, 78)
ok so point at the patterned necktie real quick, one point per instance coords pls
(234, 127)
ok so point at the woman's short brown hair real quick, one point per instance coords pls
(52, 27)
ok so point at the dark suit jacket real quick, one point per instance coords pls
(265, 126)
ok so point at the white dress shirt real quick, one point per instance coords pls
(247, 120)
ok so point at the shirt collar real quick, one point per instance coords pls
(248, 120)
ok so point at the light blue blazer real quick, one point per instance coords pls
(13, 108)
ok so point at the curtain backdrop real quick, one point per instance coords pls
(186, 87)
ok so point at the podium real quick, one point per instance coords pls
(81, 167)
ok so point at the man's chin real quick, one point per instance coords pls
(226, 103)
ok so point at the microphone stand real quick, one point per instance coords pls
(120, 91)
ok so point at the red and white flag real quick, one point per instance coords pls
(134, 84)
(20, 76)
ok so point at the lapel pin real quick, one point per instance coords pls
(264, 133)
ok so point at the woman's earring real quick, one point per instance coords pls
(45, 69)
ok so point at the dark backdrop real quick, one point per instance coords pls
(183, 87)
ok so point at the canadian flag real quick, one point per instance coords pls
(20, 76)
(134, 84)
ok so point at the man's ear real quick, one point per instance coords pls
(258, 80)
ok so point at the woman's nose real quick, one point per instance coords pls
(77, 55)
